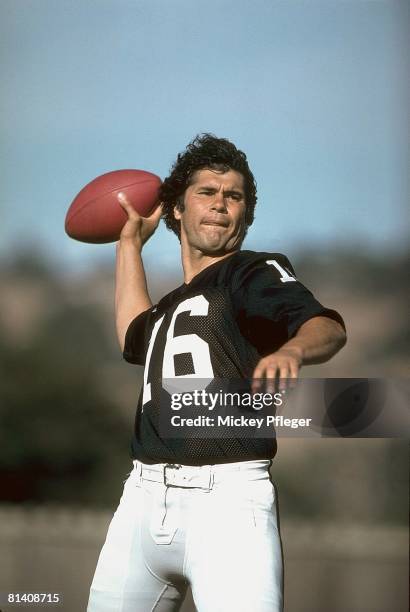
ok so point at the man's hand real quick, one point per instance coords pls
(277, 370)
(316, 341)
(137, 228)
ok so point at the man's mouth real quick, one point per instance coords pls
(215, 223)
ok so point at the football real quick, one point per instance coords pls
(95, 214)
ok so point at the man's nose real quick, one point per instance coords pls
(219, 202)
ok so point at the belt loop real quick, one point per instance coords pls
(138, 471)
(211, 478)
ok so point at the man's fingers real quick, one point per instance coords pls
(265, 376)
(126, 205)
(293, 375)
(271, 373)
(293, 370)
(283, 378)
(123, 200)
(256, 379)
(156, 213)
(155, 217)
(275, 374)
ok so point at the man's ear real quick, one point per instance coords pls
(179, 208)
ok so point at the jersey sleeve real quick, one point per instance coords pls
(271, 304)
(135, 338)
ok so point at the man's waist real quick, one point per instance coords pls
(202, 476)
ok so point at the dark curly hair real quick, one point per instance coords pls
(205, 151)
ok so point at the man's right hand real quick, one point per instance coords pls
(138, 228)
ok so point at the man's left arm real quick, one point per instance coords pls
(316, 341)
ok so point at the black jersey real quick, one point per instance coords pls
(218, 326)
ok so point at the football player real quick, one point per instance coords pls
(200, 510)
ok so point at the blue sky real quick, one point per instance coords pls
(315, 92)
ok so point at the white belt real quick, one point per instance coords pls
(176, 475)
(187, 476)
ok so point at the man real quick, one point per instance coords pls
(202, 511)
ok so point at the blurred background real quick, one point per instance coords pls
(317, 95)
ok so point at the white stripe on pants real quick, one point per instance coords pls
(211, 527)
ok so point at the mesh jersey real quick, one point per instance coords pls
(218, 326)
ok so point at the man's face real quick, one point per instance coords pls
(213, 219)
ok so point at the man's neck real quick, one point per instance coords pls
(193, 262)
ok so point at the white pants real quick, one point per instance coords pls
(211, 527)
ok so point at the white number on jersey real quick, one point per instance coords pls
(146, 393)
(176, 345)
(286, 277)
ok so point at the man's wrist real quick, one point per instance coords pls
(296, 350)
(128, 243)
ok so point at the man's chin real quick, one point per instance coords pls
(216, 245)
(218, 249)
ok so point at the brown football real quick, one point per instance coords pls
(95, 214)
